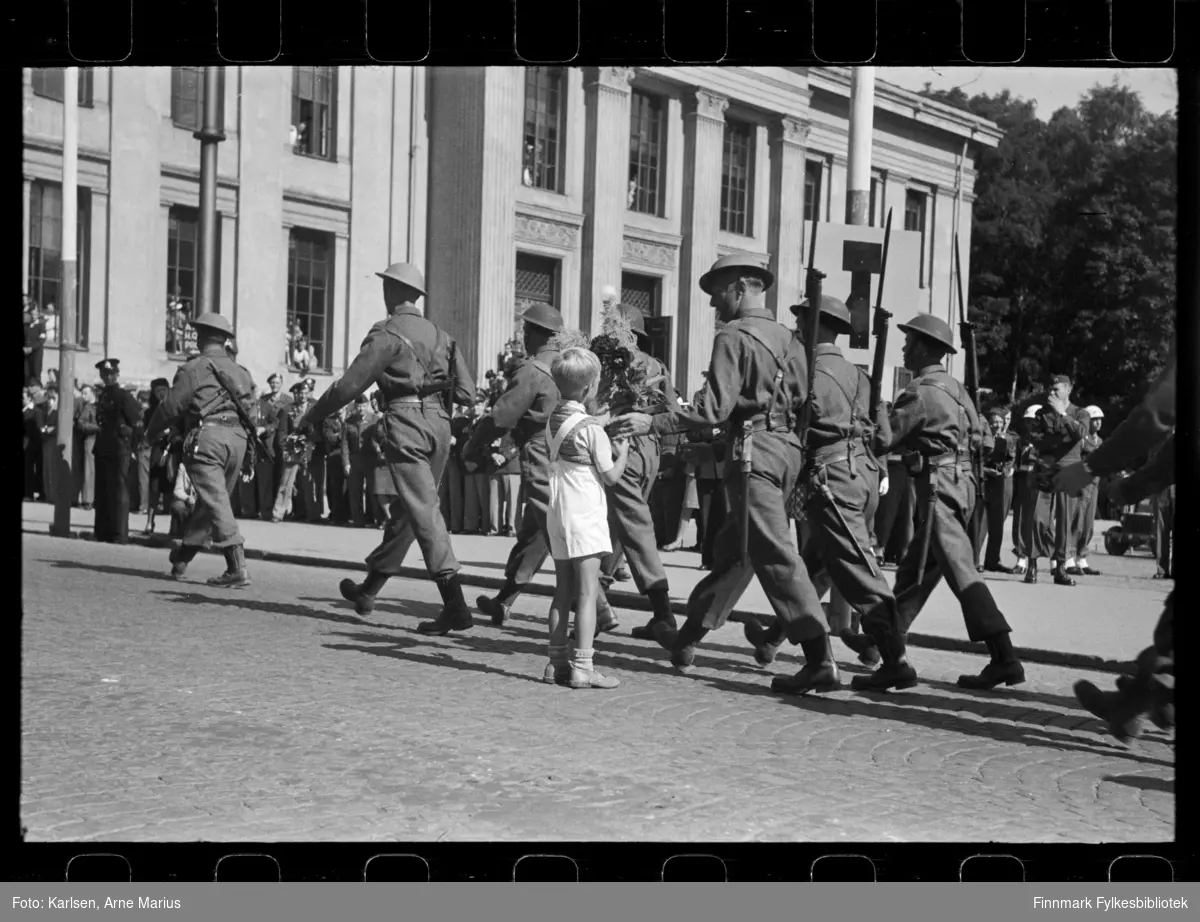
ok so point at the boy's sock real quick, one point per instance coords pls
(583, 675)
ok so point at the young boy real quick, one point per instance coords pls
(577, 516)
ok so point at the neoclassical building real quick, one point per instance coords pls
(507, 184)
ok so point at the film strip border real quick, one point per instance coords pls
(898, 32)
(630, 862)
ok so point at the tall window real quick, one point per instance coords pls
(50, 82)
(310, 277)
(187, 97)
(813, 171)
(183, 263)
(45, 256)
(314, 90)
(645, 154)
(542, 157)
(737, 172)
(914, 220)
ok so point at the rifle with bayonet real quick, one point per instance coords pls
(971, 382)
(882, 317)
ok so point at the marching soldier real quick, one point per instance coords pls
(841, 477)
(756, 382)
(630, 521)
(523, 410)
(212, 393)
(936, 417)
(998, 487)
(118, 416)
(420, 373)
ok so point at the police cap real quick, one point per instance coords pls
(743, 263)
(836, 314)
(213, 321)
(543, 316)
(104, 366)
(931, 328)
(405, 274)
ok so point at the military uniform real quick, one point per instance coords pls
(524, 410)
(1058, 438)
(118, 416)
(936, 418)
(838, 458)
(414, 363)
(1024, 498)
(757, 376)
(998, 468)
(631, 524)
(214, 448)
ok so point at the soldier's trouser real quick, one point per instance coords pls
(829, 551)
(417, 448)
(776, 463)
(1039, 527)
(630, 523)
(283, 497)
(950, 556)
(215, 468)
(532, 545)
(1084, 527)
(999, 498)
(112, 500)
(1064, 520)
(1024, 499)
(895, 517)
(264, 484)
(873, 503)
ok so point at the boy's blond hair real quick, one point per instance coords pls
(574, 371)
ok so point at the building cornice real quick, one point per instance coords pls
(55, 146)
(310, 198)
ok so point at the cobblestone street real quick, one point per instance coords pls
(156, 710)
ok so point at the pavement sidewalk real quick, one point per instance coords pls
(1102, 623)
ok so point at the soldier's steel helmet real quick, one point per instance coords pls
(635, 318)
(405, 274)
(543, 316)
(837, 315)
(213, 321)
(932, 328)
(747, 263)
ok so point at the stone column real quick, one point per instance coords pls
(474, 169)
(785, 232)
(605, 171)
(703, 136)
(26, 194)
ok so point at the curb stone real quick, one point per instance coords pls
(634, 602)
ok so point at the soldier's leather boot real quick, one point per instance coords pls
(180, 557)
(765, 640)
(660, 603)
(863, 645)
(1162, 706)
(498, 609)
(235, 576)
(1031, 572)
(455, 615)
(1121, 711)
(819, 674)
(1060, 576)
(895, 672)
(1004, 669)
(363, 596)
(606, 618)
(681, 643)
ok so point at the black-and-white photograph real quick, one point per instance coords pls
(621, 454)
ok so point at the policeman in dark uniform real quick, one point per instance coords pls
(119, 416)
(998, 470)
(214, 448)
(523, 410)
(757, 381)
(414, 363)
(630, 521)
(935, 417)
(838, 547)
(1025, 496)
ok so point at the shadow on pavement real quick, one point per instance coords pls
(483, 564)
(162, 575)
(1165, 785)
(397, 649)
(906, 707)
(241, 601)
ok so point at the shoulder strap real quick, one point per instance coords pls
(570, 424)
(416, 355)
(542, 367)
(957, 398)
(758, 337)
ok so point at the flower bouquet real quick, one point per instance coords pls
(625, 384)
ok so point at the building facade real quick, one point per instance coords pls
(508, 185)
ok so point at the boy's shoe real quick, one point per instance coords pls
(585, 678)
(557, 674)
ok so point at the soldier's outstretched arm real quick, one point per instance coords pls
(177, 400)
(908, 414)
(507, 411)
(377, 352)
(718, 397)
